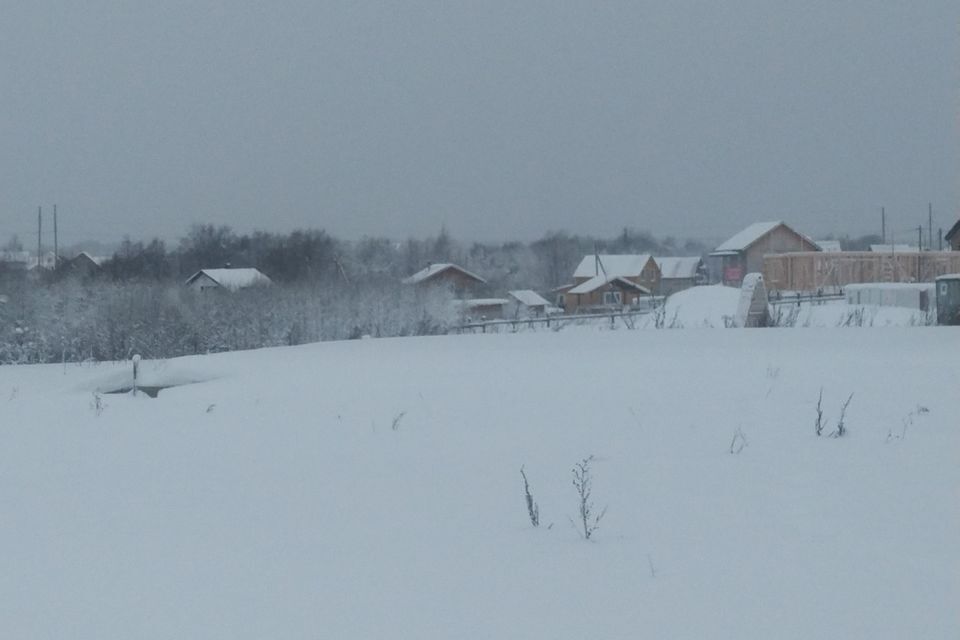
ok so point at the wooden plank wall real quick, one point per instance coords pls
(810, 271)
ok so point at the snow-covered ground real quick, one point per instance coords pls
(371, 489)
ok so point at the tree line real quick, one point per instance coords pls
(327, 289)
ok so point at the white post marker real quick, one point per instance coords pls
(136, 367)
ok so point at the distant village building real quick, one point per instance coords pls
(743, 253)
(16, 260)
(26, 261)
(526, 303)
(953, 237)
(829, 246)
(478, 309)
(609, 282)
(84, 265)
(446, 274)
(227, 279)
(894, 248)
(677, 274)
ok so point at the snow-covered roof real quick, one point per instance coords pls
(233, 279)
(893, 248)
(596, 282)
(683, 267)
(746, 238)
(628, 265)
(434, 269)
(830, 246)
(528, 297)
(954, 230)
(949, 276)
(97, 260)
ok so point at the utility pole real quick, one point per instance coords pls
(56, 246)
(920, 247)
(883, 225)
(940, 242)
(929, 226)
(39, 236)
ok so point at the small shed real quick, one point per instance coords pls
(948, 299)
(482, 308)
(526, 303)
(227, 279)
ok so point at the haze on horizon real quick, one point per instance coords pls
(497, 120)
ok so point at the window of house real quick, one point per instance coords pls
(612, 297)
(560, 300)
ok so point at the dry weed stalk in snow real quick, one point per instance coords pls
(739, 441)
(841, 422)
(818, 425)
(583, 483)
(533, 509)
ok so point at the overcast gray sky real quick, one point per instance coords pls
(498, 119)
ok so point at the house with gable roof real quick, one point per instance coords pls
(609, 281)
(227, 279)
(743, 252)
(446, 274)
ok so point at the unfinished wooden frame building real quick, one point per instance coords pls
(813, 271)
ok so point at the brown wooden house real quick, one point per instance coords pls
(445, 274)
(609, 282)
(743, 253)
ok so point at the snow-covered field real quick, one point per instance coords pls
(371, 489)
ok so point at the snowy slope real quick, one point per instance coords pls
(274, 498)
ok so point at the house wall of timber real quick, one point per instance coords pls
(811, 271)
(459, 282)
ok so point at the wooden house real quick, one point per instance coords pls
(602, 282)
(445, 274)
(227, 279)
(743, 253)
(84, 265)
